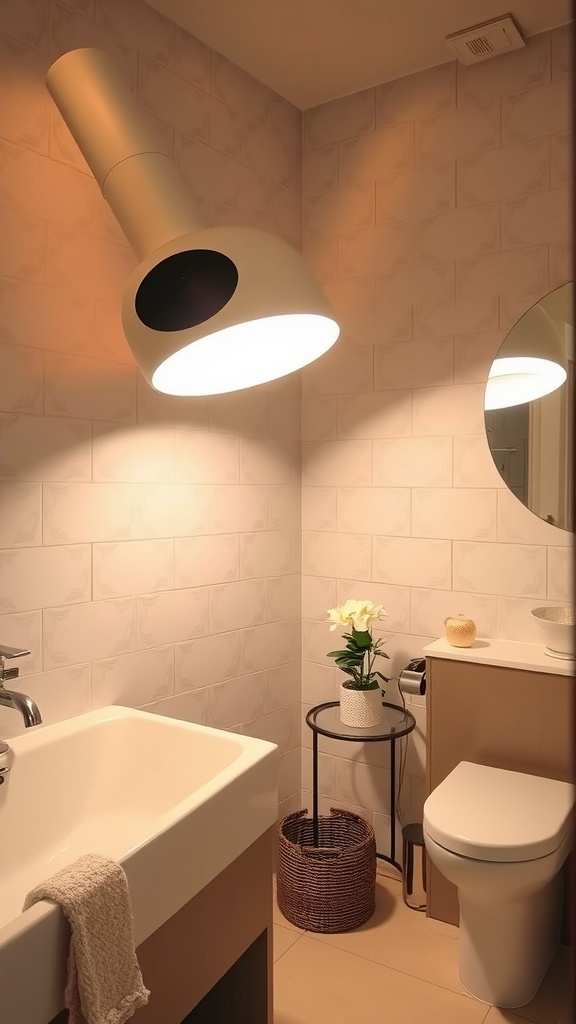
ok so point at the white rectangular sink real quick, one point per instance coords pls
(174, 803)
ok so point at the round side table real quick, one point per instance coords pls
(324, 720)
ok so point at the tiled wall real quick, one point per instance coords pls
(150, 546)
(435, 212)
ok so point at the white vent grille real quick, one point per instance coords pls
(489, 39)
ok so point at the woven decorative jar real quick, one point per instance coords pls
(360, 709)
(460, 632)
(330, 887)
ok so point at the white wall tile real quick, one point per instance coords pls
(535, 219)
(415, 193)
(265, 646)
(455, 514)
(20, 515)
(22, 378)
(473, 463)
(87, 632)
(383, 248)
(33, 578)
(236, 605)
(413, 462)
(504, 569)
(43, 448)
(459, 409)
(376, 155)
(317, 684)
(543, 110)
(171, 617)
(318, 595)
(340, 119)
(206, 660)
(132, 454)
(329, 463)
(465, 316)
(458, 133)
(420, 95)
(318, 508)
(374, 510)
(319, 418)
(269, 553)
(89, 389)
(560, 581)
(237, 509)
(518, 525)
(280, 727)
(192, 706)
(134, 679)
(331, 554)
(283, 596)
(503, 173)
(412, 562)
(132, 567)
(204, 458)
(283, 686)
(268, 461)
(429, 609)
(283, 507)
(238, 700)
(514, 620)
(203, 560)
(84, 512)
(413, 364)
(375, 415)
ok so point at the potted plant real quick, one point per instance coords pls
(360, 694)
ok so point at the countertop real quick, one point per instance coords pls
(505, 653)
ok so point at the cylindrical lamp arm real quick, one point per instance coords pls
(142, 185)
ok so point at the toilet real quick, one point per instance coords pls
(502, 837)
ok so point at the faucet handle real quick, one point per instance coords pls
(12, 652)
(6, 654)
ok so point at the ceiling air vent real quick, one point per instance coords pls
(489, 39)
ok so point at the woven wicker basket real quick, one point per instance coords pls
(330, 887)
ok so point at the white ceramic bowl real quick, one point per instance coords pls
(556, 627)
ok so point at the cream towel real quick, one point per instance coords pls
(104, 981)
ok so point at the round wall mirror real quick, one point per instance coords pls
(530, 438)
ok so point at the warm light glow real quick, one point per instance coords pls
(518, 379)
(246, 354)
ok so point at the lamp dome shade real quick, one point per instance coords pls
(207, 310)
(529, 365)
(223, 309)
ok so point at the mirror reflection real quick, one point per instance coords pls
(529, 403)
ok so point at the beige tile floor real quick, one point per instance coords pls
(398, 968)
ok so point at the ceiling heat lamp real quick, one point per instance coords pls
(208, 310)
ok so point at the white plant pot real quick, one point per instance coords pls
(360, 709)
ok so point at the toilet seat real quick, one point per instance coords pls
(492, 814)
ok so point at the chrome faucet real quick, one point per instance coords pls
(13, 698)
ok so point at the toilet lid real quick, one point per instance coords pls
(492, 814)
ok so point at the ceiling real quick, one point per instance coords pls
(311, 51)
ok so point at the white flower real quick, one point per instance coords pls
(360, 615)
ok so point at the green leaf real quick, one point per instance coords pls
(386, 680)
(362, 637)
(383, 654)
(335, 654)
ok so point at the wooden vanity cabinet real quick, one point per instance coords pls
(502, 717)
(211, 963)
